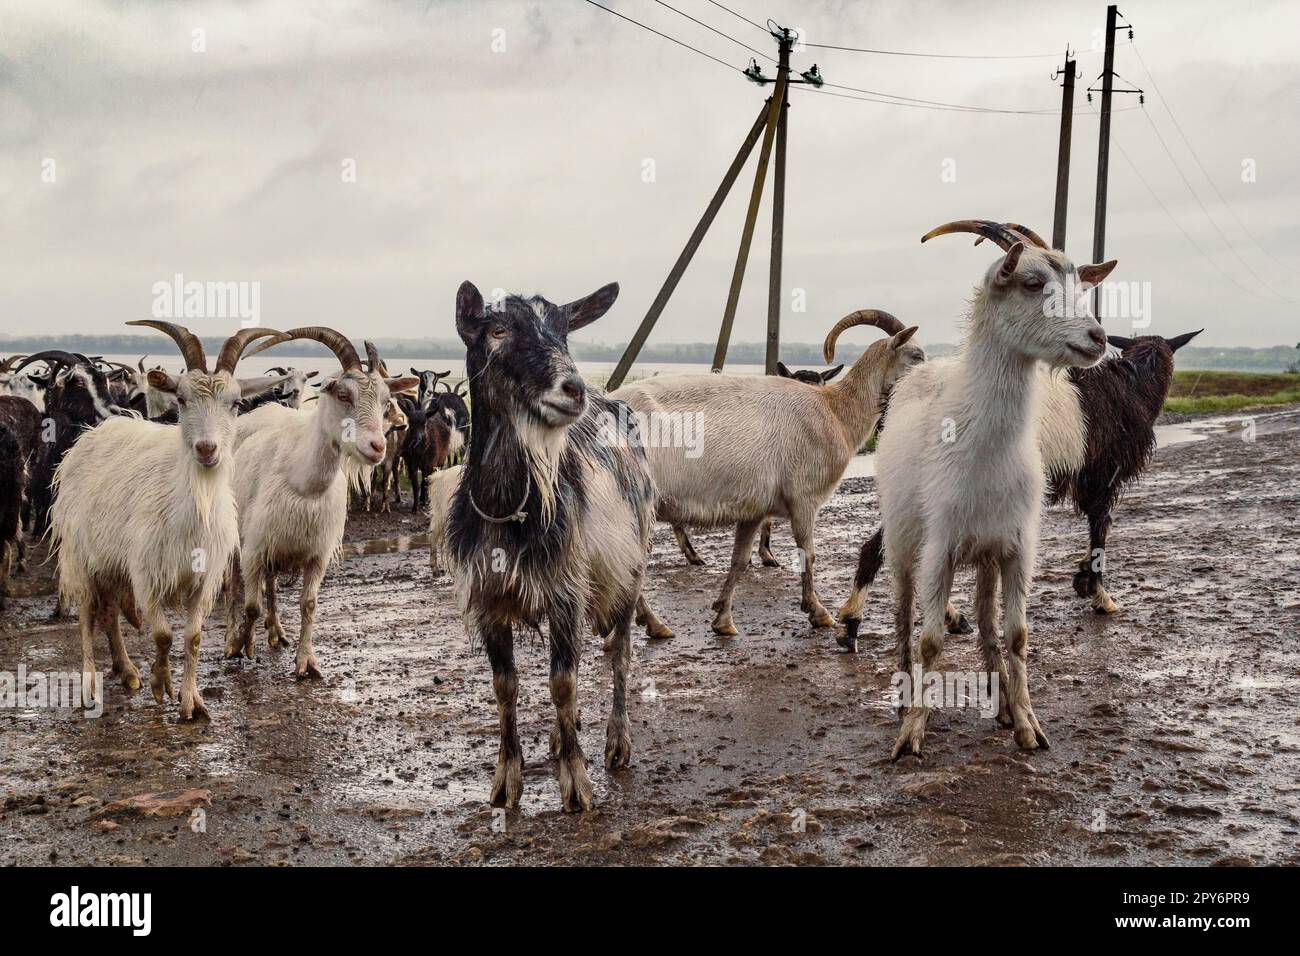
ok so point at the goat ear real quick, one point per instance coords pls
(401, 384)
(1178, 341)
(160, 380)
(830, 373)
(585, 311)
(1009, 263)
(248, 387)
(1096, 274)
(312, 374)
(469, 312)
(1120, 342)
(899, 340)
(783, 371)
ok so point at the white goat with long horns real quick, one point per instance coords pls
(775, 447)
(960, 475)
(145, 515)
(291, 484)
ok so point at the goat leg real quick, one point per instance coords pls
(89, 672)
(160, 676)
(1015, 593)
(936, 583)
(740, 550)
(646, 617)
(618, 736)
(765, 546)
(306, 662)
(684, 543)
(274, 629)
(802, 522)
(508, 782)
(986, 615)
(565, 625)
(192, 706)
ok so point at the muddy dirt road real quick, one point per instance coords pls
(1174, 724)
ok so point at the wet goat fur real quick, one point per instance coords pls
(579, 554)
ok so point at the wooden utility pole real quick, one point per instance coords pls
(693, 243)
(1067, 75)
(1103, 149)
(747, 234)
(1103, 141)
(778, 213)
(771, 123)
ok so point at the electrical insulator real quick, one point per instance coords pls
(1089, 97)
(1142, 99)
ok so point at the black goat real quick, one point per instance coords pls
(13, 479)
(1120, 400)
(425, 449)
(77, 397)
(451, 405)
(428, 383)
(551, 519)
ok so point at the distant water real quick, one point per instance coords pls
(597, 372)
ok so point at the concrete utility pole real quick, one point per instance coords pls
(1067, 76)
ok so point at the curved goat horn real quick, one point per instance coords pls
(189, 344)
(140, 364)
(889, 324)
(336, 341)
(233, 348)
(1023, 232)
(8, 363)
(376, 363)
(51, 357)
(999, 233)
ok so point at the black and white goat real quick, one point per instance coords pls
(13, 481)
(551, 520)
(77, 397)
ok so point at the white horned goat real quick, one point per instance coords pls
(770, 447)
(960, 474)
(291, 485)
(144, 518)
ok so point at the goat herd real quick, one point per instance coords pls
(161, 491)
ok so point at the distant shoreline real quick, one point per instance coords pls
(800, 354)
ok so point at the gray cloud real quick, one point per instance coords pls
(523, 168)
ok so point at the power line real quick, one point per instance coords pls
(950, 108)
(1178, 126)
(942, 56)
(725, 36)
(1177, 224)
(752, 23)
(664, 35)
(1225, 239)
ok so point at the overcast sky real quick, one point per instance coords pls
(525, 168)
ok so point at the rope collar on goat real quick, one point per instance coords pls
(519, 515)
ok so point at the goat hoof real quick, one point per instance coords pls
(131, 680)
(912, 734)
(724, 627)
(508, 783)
(1102, 604)
(618, 748)
(770, 562)
(193, 708)
(849, 639)
(659, 632)
(307, 668)
(960, 626)
(575, 785)
(696, 561)
(821, 618)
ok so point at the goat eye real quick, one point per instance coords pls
(1033, 284)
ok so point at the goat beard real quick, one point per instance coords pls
(541, 446)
